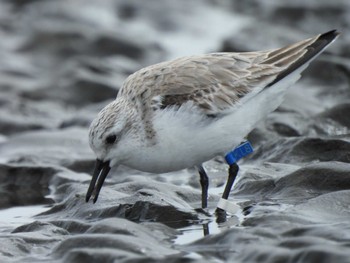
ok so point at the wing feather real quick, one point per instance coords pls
(216, 83)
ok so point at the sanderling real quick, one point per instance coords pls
(181, 113)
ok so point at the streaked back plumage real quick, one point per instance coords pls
(217, 82)
(202, 104)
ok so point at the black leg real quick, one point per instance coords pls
(206, 229)
(232, 174)
(205, 184)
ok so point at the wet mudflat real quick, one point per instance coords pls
(62, 61)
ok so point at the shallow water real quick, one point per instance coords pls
(210, 227)
(13, 217)
(62, 61)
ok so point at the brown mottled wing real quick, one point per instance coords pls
(217, 83)
(214, 82)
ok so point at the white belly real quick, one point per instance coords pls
(182, 141)
(185, 138)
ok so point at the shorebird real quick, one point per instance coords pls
(182, 113)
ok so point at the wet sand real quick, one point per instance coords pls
(62, 61)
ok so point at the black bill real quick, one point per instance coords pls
(100, 172)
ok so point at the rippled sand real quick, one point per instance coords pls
(62, 61)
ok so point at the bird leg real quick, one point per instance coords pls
(206, 229)
(232, 174)
(205, 184)
(204, 181)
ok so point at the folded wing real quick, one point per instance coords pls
(217, 83)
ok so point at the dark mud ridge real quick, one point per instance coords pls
(62, 61)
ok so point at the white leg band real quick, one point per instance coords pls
(228, 206)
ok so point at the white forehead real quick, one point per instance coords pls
(106, 122)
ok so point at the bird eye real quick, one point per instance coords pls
(111, 139)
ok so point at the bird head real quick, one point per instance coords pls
(110, 138)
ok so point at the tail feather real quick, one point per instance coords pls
(290, 50)
(309, 49)
(237, 124)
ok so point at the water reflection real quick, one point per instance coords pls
(209, 226)
(16, 216)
